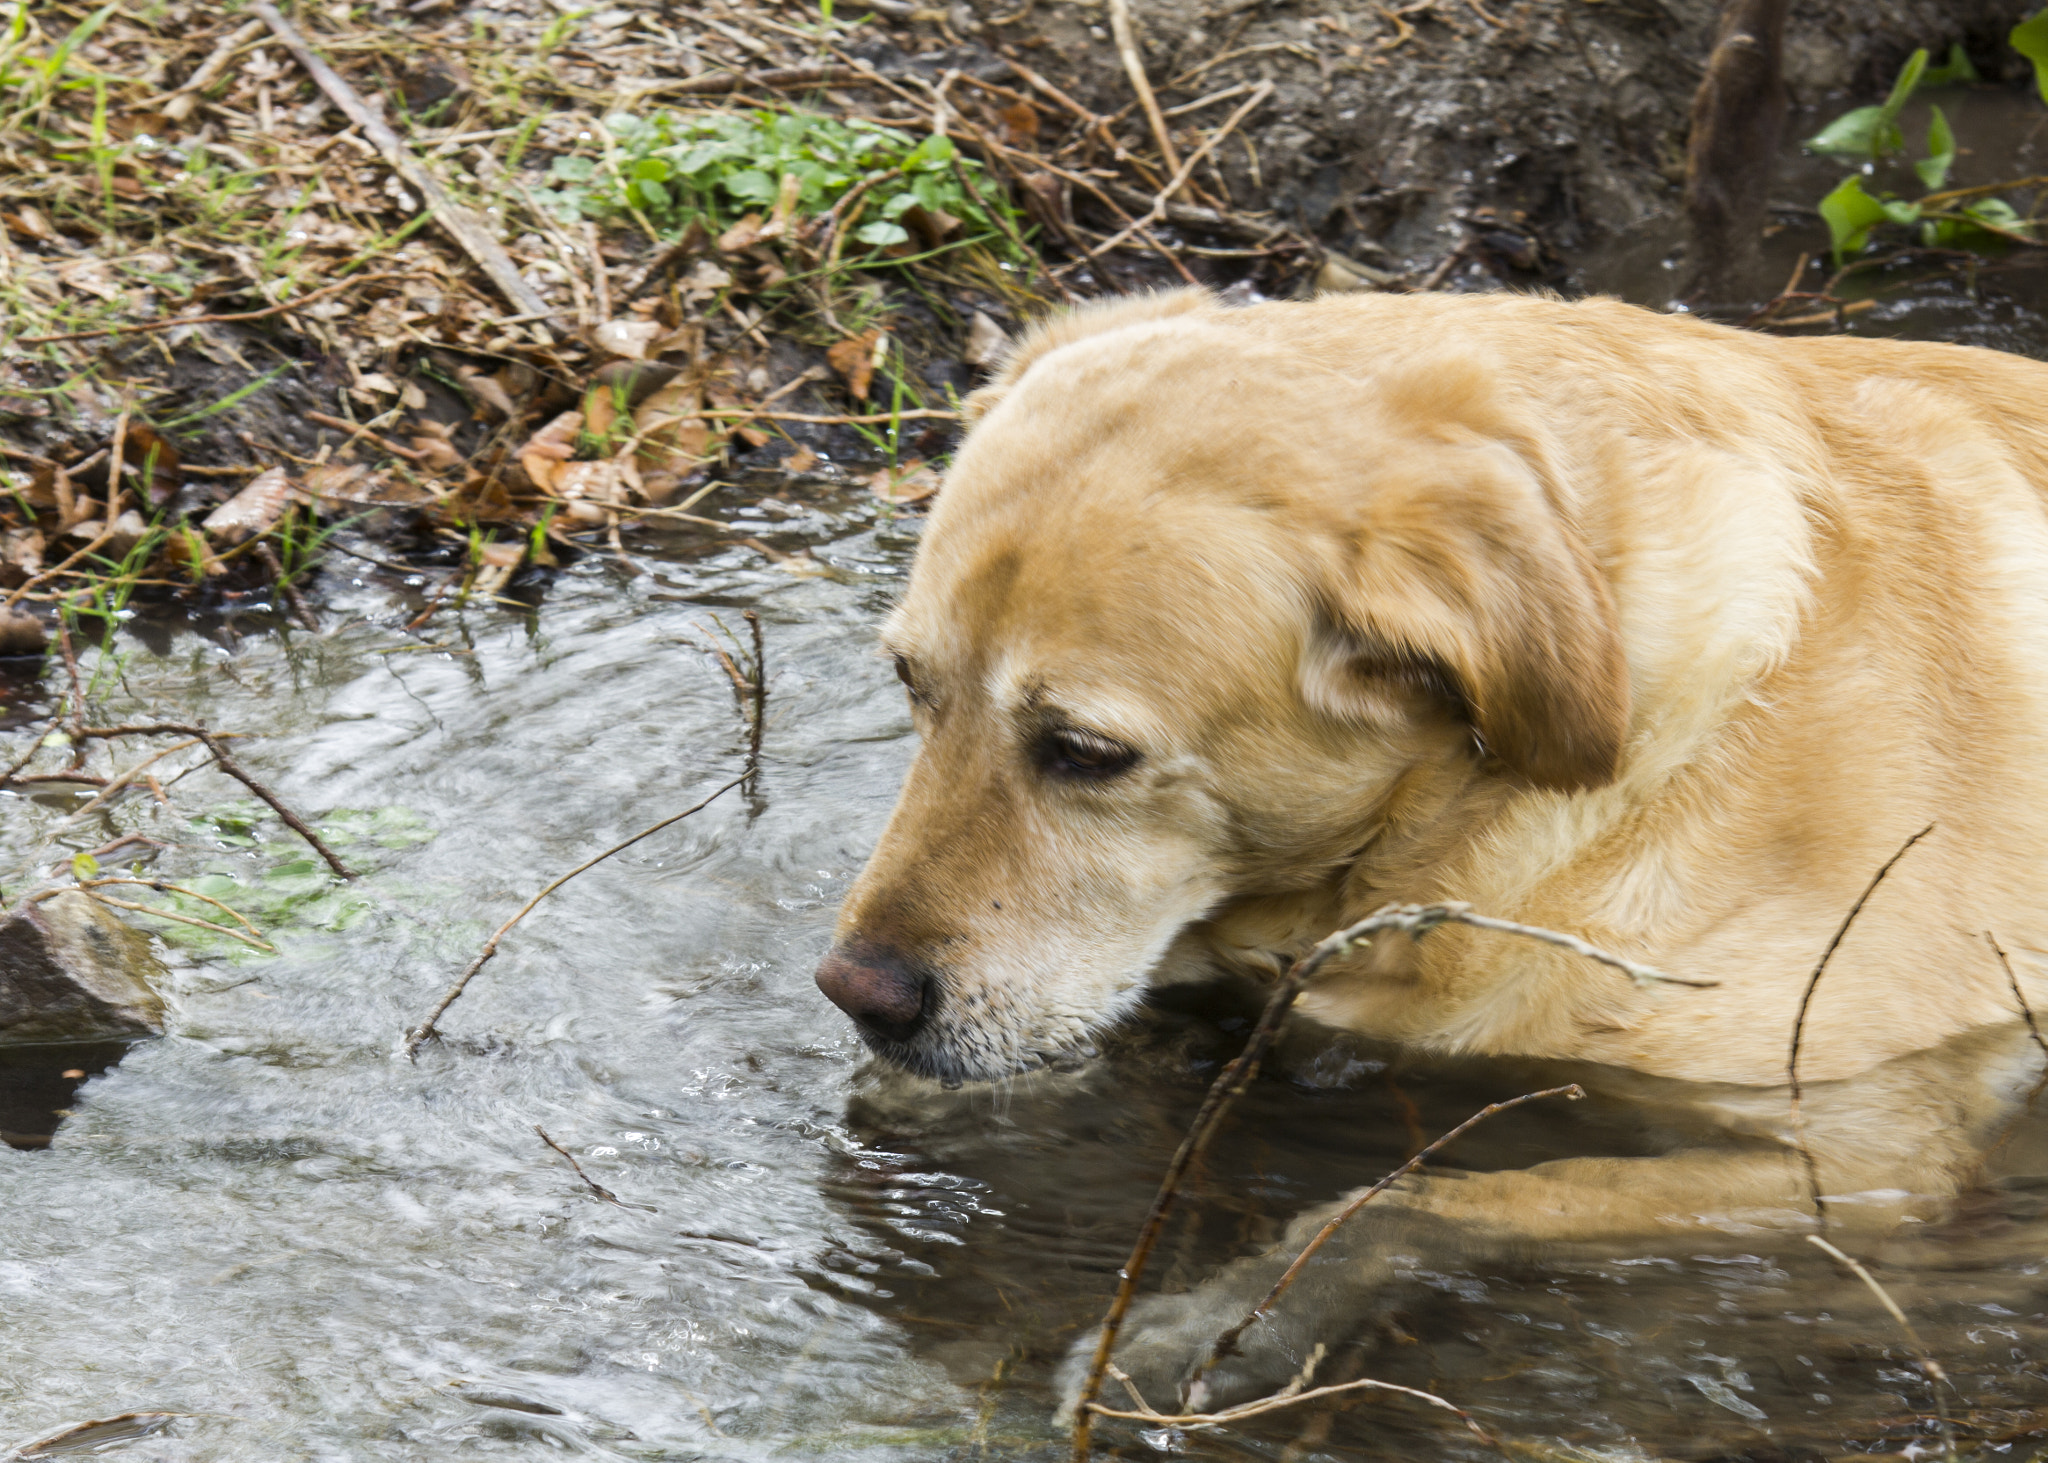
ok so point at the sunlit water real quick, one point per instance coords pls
(305, 1247)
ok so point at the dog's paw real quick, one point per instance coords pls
(1167, 1344)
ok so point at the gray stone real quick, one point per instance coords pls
(70, 971)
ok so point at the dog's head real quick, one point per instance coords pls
(1199, 599)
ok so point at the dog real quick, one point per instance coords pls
(1232, 625)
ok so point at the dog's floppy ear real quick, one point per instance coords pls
(1460, 578)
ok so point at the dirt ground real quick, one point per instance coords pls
(438, 268)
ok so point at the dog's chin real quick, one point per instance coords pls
(953, 1066)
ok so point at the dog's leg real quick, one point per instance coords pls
(1905, 1136)
(1445, 1221)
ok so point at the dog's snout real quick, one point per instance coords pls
(877, 987)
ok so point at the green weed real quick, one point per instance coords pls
(675, 168)
(1967, 219)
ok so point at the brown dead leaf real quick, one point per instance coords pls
(436, 451)
(930, 227)
(487, 390)
(21, 555)
(253, 510)
(154, 458)
(597, 482)
(332, 483)
(986, 342)
(854, 359)
(629, 338)
(673, 438)
(1020, 124)
(742, 235)
(550, 447)
(801, 460)
(726, 401)
(30, 224)
(911, 482)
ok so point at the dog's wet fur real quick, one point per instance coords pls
(1233, 625)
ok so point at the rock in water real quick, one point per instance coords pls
(70, 971)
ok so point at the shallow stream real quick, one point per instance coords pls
(300, 1246)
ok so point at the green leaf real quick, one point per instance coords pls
(1941, 152)
(649, 197)
(652, 169)
(1855, 134)
(1902, 89)
(1850, 214)
(882, 233)
(751, 186)
(2030, 39)
(1952, 72)
(84, 866)
(572, 169)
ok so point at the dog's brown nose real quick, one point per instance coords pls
(877, 987)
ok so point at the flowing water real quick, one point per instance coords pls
(284, 1242)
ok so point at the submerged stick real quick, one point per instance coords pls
(212, 740)
(1284, 1399)
(460, 223)
(1417, 920)
(757, 716)
(427, 1030)
(1799, 1022)
(1226, 1344)
(1928, 1364)
(592, 1184)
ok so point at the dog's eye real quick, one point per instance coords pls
(903, 675)
(1071, 752)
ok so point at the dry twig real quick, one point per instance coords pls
(590, 1183)
(1799, 1023)
(1415, 920)
(1134, 67)
(1226, 1344)
(297, 302)
(428, 1029)
(1928, 1364)
(1284, 1399)
(234, 769)
(460, 223)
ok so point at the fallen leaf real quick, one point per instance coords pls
(90, 277)
(801, 460)
(253, 510)
(437, 453)
(706, 278)
(742, 235)
(30, 224)
(598, 481)
(548, 448)
(487, 390)
(912, 482)
(986, 342)
(854, 359)
(331, 483)
(628, 338)
(1020, 124)
(673, 438)
(150, 453)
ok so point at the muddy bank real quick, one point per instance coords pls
(1389, 126)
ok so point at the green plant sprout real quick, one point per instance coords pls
(1873, 135)
(675, 169)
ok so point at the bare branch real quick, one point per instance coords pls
(1799, 1023)
(1414, 919)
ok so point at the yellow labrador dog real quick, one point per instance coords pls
(1233, 625)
